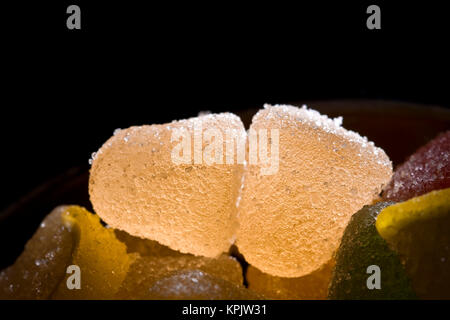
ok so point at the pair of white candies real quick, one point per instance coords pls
(287, 224)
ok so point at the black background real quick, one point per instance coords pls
(65, 91)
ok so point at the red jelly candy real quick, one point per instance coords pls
(426, 170)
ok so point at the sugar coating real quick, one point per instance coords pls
(135, 186)
(42, 265)
(426, 170)
(292, 222)
(148, 269)
(198, 285)
(313, 286)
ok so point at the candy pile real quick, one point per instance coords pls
(297, 194)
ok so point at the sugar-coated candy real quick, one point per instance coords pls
(418, 229)
(168, 182)
(147, 270)
(68, 236)
(426, 170)
(362, 249)
(291, 222)
(42, 265)
(198, 285)
(101, 258)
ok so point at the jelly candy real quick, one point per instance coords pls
(426, 170)
(362, 247)
(102, 259)
(69, 235)
(418, 229)
(291, 222)
(141, 184)
(147, 270)
(198, 285)
(42, 265)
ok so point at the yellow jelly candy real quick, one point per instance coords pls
(418, 230)
(313, 286)
(42, 265)
(102, 259)
(147, 270)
